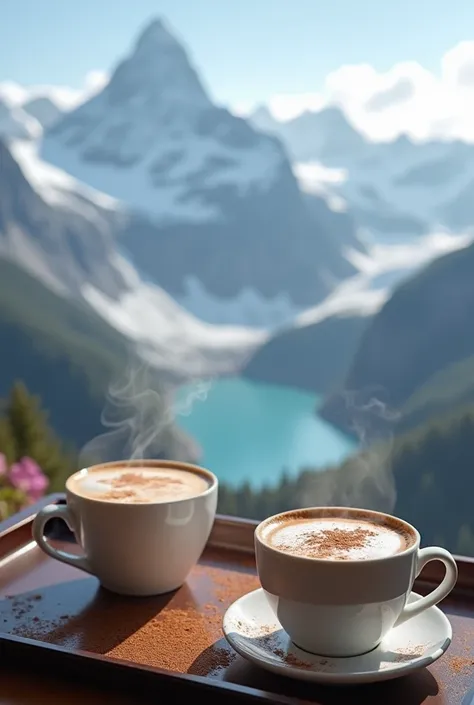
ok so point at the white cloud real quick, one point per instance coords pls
(405, 99)
(65, 97)
(95, 81)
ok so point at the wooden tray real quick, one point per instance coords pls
(55, 619)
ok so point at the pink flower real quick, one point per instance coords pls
(26, 475)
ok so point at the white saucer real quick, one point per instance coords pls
(252, 630)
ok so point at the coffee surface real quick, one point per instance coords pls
(338, 539)
(135, 485)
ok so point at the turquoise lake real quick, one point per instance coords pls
(253, 431)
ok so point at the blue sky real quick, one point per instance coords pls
(247, 50)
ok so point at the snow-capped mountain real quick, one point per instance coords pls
(64, 234)
(16, 123)
(26, 117)
(216, 207)
(53, 231)
(325, 136)
(44, 109)
(401, 187)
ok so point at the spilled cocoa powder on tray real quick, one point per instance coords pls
(228, 585)
(186, 636)
(190, 639)
(23, 604)
(32, 627)
(461, 664)
(176, 639)
(179, 640)
(458, 664)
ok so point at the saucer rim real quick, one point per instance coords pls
(358, 677)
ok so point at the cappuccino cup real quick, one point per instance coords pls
(141, 525)
(339, 579)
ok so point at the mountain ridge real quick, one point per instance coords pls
(69, 241)
(395, 187)
(202, 185)
(414, 354)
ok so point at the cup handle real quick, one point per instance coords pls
(61, 511)
(425, 555)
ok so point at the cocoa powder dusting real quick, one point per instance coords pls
(119, 494)
(125, 486)
(408, 653)
(139, 480)
(291, 659)
(268, 637)
(271, 642)
(326, 543)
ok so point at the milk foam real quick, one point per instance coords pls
(312, 538)
(139, 485)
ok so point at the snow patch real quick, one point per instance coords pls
(314, 175)
(56, 186)
(315, 178)
(171, 338)
(15, 123)
(380, 270)
(173, 192)
(395, 179)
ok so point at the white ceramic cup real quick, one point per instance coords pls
(134, 549)
(345, 607)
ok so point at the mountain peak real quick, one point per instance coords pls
(155, 37)
(157, 69)
(329, 117)
(262, 119)
(44, 109)
(262, 110)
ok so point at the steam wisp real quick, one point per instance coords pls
(139, 413)
(366, 479)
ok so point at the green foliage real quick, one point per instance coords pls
(24, 431)
(61, 328)
(7, 441)
(11, 501)
(446, 386)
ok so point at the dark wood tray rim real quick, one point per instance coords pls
(229, 533)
